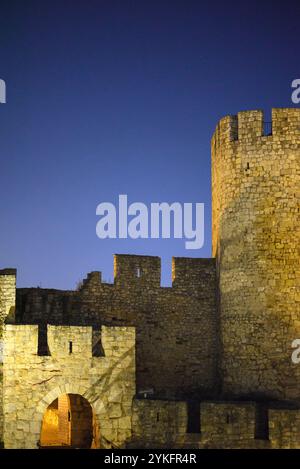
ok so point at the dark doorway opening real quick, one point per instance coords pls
(69, 423)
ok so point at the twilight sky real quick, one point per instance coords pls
(109, 97)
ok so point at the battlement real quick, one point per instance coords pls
(235, 424)
(138, 271)
(194, 276)
(7, 294)
(107, 382)
(177, 318)
(186, 272)
(218, 424)
(141, 270)
(133, 271)
(64, 342)
(249, 126)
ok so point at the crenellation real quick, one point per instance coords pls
(227, 424)
(286, 124)
(42, 380)
(93, 279)
(193, 276)
(21, 340)
(255, 239)
(226, 132)
(250, 126)
(137, 271)
(76, 343)
(205, 363)
(158, 423)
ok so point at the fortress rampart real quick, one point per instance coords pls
(204, 363)
(175, 327)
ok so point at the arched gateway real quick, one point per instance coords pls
(69, 421)
(69, 397)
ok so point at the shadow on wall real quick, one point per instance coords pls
(73, 420)
(257, 319)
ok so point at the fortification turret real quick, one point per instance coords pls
(255, 204)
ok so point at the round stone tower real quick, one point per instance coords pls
(256, 240)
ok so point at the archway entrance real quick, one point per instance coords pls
(69, 423)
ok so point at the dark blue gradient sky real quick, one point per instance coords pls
(122, 97)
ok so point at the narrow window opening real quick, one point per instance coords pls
(261, 422)
(235, 135)
(138, 272)
(70, 347)
(234, 129)
(43, 349)
(97, 349)
(228, 419)
(157, 417)
(194, 418)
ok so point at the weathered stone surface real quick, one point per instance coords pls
(222, 332)
(256, 237)
(158, 423)
(7, 312)
(43, 379)
(178, 323)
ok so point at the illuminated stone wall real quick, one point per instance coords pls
(7, 296)
(50, 425)
(176, 327)
(157, 423)
(256, 238)
(32, 382)
(7, 312)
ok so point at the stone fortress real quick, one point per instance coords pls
(205, 363)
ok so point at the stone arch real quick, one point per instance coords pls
(47, 400)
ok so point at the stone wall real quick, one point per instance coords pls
(158, 423)
(32, 382)
(64, 421)
(227, 424)
(256, 237)
(223, 425)
(7, 312)
(284, 427)
(176, 328)
(222, 331)
(7, 295)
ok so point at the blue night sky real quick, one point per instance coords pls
(122, 97)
